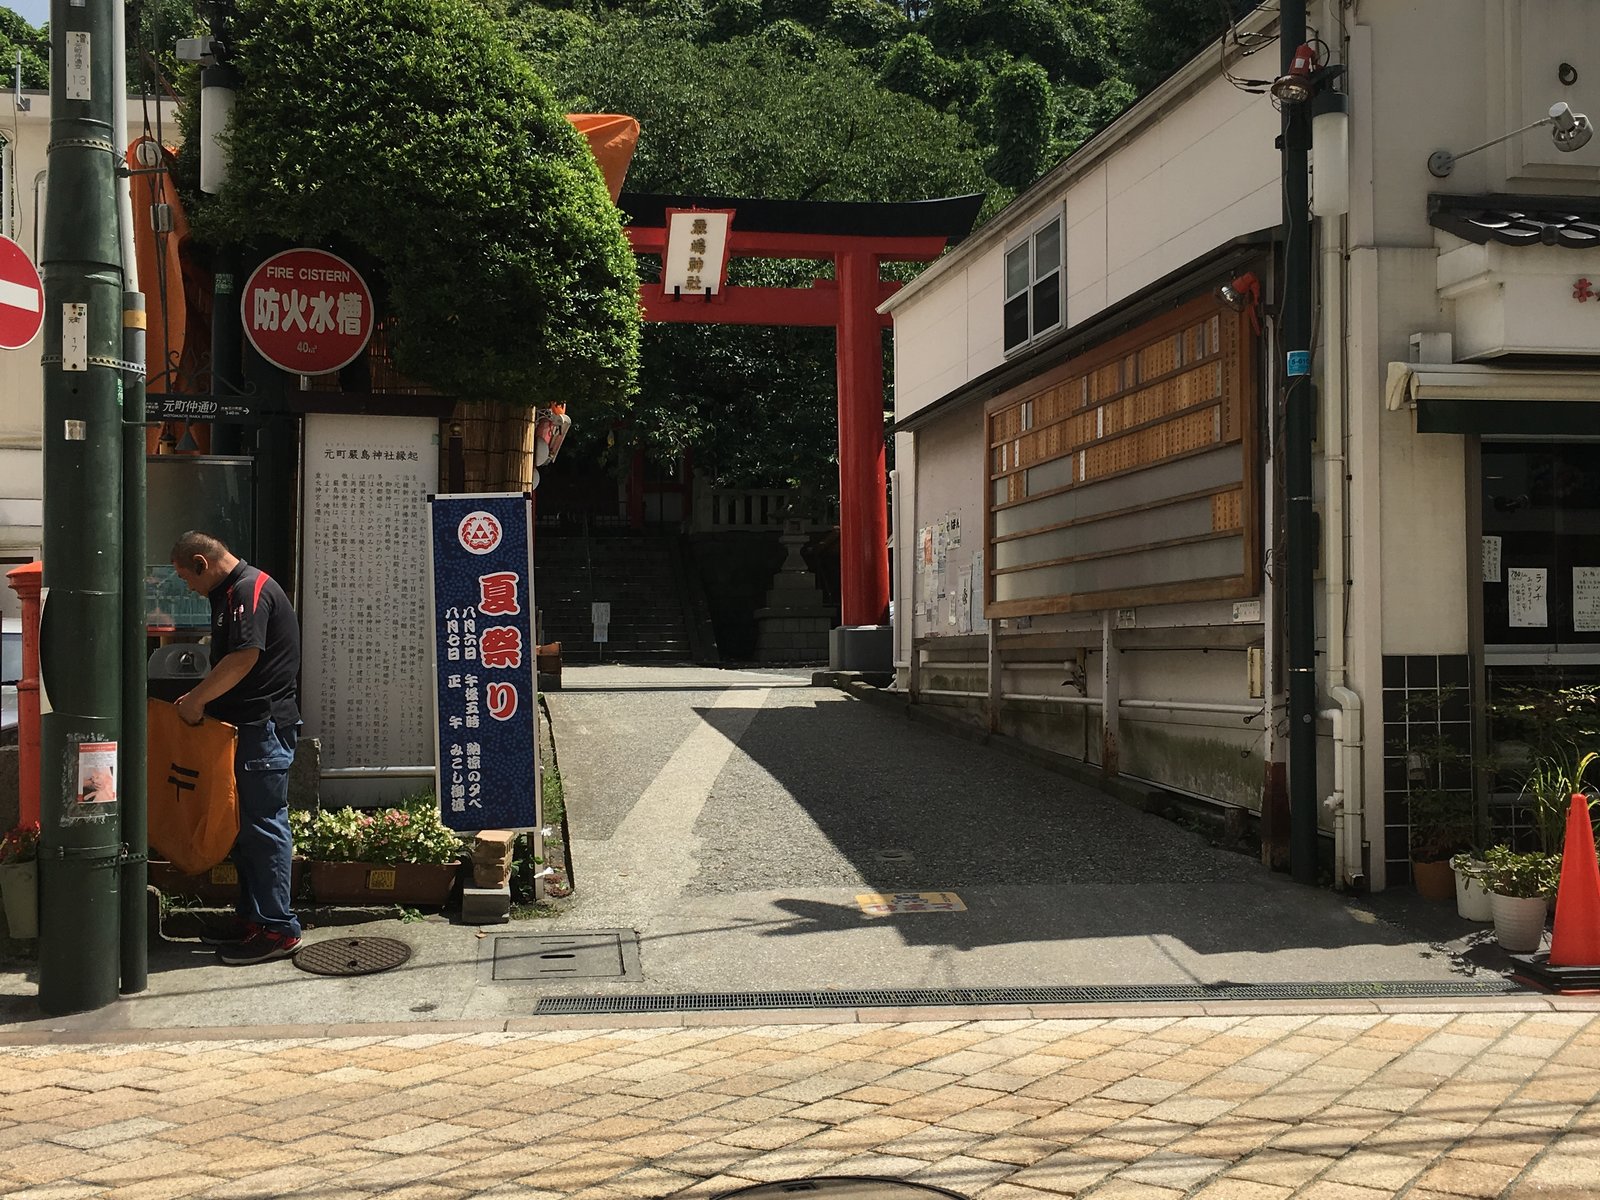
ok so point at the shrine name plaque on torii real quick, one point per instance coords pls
(858, 238)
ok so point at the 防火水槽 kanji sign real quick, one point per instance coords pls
(307, 311)
(487, 754)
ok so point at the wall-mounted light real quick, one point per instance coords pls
(1243, 294)
(1568, 130)
(1330, 154)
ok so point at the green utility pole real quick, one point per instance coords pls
(80, 643)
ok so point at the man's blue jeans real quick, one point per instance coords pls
(265, 849)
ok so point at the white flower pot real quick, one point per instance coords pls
(1518, 922)
(19, 885)
(1472, 899)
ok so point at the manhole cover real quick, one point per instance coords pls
(352, 956)
(587, 954)
(842, 1187)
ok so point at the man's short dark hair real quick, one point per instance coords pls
(197, 541)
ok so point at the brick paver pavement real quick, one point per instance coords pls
(1495, 1099)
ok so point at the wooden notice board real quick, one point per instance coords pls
(1129, 474)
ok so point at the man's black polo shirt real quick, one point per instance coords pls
(249, 609)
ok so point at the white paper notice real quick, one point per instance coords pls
(1586, 599)
(1528, 593)
(1491, 560)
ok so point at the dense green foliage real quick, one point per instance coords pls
(411, 133)
(16, 34)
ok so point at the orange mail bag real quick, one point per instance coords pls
(194, 803)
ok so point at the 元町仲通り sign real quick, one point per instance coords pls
(487, 754)
(307, 311)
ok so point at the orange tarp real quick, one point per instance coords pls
(613, 139)
(177, 314)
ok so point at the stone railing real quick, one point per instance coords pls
(723, 509)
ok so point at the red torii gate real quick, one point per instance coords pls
(858, 238)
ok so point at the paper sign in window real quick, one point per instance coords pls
(1528, 593)
(1491, 559)
(1586, 599)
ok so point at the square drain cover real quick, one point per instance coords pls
(580, 954)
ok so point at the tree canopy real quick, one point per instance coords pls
(16, 34)
(413, 132)
(775, 114)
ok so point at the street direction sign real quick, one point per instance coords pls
(21, 297)
(307, 311)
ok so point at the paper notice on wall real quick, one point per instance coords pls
(1491, 560)
(1586, 599)
(1528, 592)
(952, 588)
(964, 602)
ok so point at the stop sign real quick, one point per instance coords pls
(21, 297)
(307, 311)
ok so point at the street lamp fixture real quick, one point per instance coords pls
(1295, 85)
(1568, 130)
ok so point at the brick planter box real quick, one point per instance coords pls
(376, 883)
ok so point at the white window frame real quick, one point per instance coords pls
(1030, 238)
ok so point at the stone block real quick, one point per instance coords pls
(491, 876)
(493, 845)
(486, 906)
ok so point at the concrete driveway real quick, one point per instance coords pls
(733, 818)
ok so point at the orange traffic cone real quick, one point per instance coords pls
(1576, 941)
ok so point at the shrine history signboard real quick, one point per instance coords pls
(366, 679)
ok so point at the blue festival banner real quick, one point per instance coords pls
(487, 755)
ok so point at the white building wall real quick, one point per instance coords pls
(1200, 173)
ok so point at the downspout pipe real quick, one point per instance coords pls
(133, 885)
(1347, 802)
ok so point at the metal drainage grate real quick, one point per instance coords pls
(553, 1006)
(590, 954)
(352, 956)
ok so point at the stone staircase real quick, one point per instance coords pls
(641, 576)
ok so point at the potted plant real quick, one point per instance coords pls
(1441, 825)
(1472, 897)
(1554, 776)
(19, 879)
(1520, 885)
(401, 855)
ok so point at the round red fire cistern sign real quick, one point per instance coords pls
(307, 311)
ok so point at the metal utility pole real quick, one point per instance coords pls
(80, 644)
(1299, 418)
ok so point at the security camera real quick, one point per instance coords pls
(1569, 130)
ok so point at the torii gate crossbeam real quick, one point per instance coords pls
(857, 238)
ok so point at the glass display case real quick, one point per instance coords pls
(185, 491)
